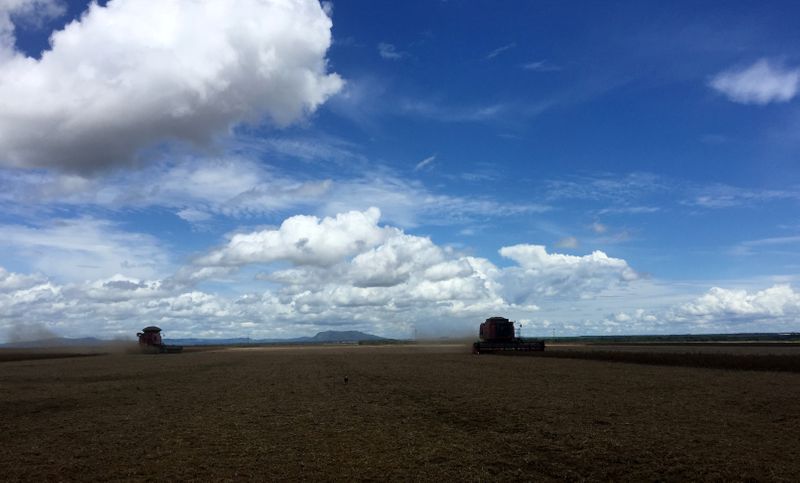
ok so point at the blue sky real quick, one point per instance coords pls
(279, 168)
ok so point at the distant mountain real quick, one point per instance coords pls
(326, 337)
(339, 336)
(232, 341)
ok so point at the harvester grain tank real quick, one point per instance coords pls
(497, 334)
(150, 342)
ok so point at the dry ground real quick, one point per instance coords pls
(407, 413)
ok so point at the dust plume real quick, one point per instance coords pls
(30, 332)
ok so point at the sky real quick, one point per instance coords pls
(275, 168)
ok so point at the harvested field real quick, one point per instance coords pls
(406, 413)
(755, 357)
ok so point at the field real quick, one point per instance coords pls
(406, 413)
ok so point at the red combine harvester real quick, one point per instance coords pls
(497, 335)
(150, 342)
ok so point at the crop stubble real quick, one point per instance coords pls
(407, 412)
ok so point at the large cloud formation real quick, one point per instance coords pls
(127, 76)
(719, 310)
(349, 270)
(310, 273)
(778, 301)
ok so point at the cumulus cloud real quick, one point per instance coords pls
(343, 270)
(10, 281)
(123, 78)
(720, 303)
(352, 255)
(548, 274)
(349, 270)
(773, 309)
(116, 306)
(402, 284)
(761, 83)
(304, 240)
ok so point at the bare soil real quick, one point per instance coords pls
(406, 413)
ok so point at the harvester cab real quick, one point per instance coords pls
(150, 342)
(497, 335)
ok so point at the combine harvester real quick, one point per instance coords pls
(497, 336)
(150, 342)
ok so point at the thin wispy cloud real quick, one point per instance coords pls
(390, 52)
(567, 242)
(719, 196)
(425, 163)
(500, 50)
(541, 66)
(452, 113)
(598, 228)
(781, 243)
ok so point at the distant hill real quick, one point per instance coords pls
(232, 341)
(338, 336)
(326, 337)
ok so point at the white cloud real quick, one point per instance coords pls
(774, 309)
(425, 162)
(346, 270)
(622, 190)
(10, 281)
(540, 66)
(762, 245)
(197, 190)
(124, 78)
(410, 203)
(83, 249)
(500, 50)
(726, 196)
(352, 272)
(304, 240)
(193, 215)
(390, 52)
(448, 113)
(553, 274)
(719, 303)
(761, 83)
